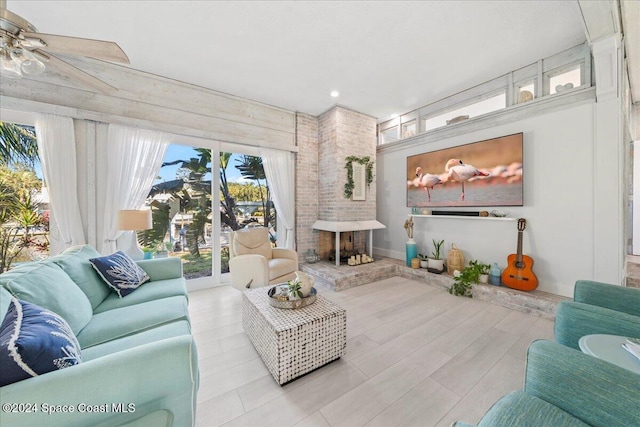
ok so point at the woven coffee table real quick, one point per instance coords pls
(294, 342)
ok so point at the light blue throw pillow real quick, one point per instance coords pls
(34, 341)
(120, 272)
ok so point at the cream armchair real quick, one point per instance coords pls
(254, 263)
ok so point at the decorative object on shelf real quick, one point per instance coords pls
(499, 214)
(311, 256)
(469, 276)
(483, 272)
(349, 185)
(305, 281)
(455, 259)
(518, 273)
(484, 214)
(408, 226)
(562, 88)
(524, 96)
(277, 300)
(424, 261)
(415, 263)
(436, 263)
(411, 247)
(458, 119)
(494, 274)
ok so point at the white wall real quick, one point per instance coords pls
(560, 201)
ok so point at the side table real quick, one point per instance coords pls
(609, 348)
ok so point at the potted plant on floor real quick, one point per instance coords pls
(424, 261)
(436, 263)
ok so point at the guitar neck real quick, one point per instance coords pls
(519, 253)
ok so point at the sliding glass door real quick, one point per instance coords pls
(192, 221)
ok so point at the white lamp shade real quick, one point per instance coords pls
(135, 220)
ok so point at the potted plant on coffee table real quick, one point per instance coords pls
(436, 263)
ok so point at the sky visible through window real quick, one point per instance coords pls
(183, 152)
(180, 152)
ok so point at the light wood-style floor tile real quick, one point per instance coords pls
(416, 356)
(219, 410)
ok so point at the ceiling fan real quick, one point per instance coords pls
(24, 51)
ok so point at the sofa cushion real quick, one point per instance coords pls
(124, 321)
(5, 301)
(120, 272)
(34, 341)
(252, 241)
(173, 329)
(280, 267)
(524, 410)
(150, 291)
(75, 262)
(46, 285)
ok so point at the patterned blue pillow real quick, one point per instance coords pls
(34, 341)
(120, 272)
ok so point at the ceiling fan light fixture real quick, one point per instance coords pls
(29, 64)
(8, 67)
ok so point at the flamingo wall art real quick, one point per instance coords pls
(484, 173)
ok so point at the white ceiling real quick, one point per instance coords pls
(383, 57)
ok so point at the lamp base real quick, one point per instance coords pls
(134, 252)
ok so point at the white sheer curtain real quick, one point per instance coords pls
(280, 172)
(134, 157)
(57, 150)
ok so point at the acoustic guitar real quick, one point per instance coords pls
(518, 273)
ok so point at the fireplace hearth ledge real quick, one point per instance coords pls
(343, 226)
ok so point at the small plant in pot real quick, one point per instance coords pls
(483, 271)
(469, 276)
(424, 261)
(436, 263)
(295, 291)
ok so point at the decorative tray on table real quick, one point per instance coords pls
(277, 297)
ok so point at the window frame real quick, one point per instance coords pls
(538, 73)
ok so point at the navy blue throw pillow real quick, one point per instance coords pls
(34, 341)
(120, 272)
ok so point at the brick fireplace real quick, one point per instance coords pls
(324, 215)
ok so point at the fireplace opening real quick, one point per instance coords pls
(351, 243)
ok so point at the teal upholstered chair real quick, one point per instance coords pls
(564, 387)
(598, 308)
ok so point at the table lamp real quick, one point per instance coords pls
(134, 220)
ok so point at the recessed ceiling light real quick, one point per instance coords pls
(335, 93)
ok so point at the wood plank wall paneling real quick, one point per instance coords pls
(154, 102)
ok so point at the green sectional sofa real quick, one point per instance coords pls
(564, 387)
(597, 308)
(139, 360)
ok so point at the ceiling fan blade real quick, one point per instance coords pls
(76, 73)
(98, 49)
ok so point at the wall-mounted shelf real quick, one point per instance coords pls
(483, 218)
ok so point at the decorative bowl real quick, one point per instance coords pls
(289, 304)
